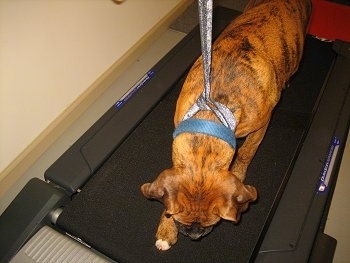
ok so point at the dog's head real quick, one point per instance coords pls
(197, 205)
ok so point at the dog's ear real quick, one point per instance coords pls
(164, 189)
(152, 190)
(163, 186)
(237, 202)
(246, 194)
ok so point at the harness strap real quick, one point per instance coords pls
(207, 127)
(226, 130)
(204, 102)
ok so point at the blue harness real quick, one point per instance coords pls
(207, 127)
(226, 130)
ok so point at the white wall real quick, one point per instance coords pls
(52, 51)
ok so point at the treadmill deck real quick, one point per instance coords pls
(112, 215)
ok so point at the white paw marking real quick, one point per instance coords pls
(162, 244)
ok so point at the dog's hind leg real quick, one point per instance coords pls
(246, 152)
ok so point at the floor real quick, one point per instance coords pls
(338, 223)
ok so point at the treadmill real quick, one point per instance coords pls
(91, 205)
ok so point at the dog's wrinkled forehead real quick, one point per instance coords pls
(202, 218)
(198, 207)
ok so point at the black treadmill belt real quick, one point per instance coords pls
(111, 214)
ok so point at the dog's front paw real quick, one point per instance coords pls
(162, 244)
(167, 233)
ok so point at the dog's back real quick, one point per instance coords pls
(251, 62)
(277, 29)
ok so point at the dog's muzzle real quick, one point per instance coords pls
(194, 231)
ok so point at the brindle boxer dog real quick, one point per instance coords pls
(251, 62)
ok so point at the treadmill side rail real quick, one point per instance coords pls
(297, 220)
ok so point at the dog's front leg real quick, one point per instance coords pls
(167, 232)
(246, 153)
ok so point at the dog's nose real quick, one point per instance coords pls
(195, 236)
(196, 231)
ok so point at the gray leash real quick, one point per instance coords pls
(204, 102)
